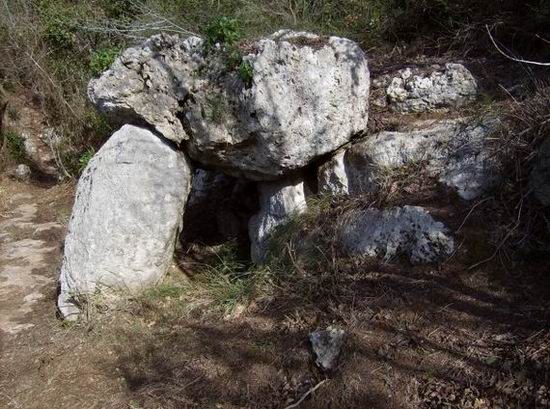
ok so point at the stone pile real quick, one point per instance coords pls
(193, 126)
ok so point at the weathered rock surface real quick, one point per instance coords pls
(540, 175)
(409, 231)
(416, 90)
(455, 151)
(326, 345)
(40, 150)
(22, 172)
(307, 96)
(127, 214)
(332, 175)
(278, 201)
(149, 83)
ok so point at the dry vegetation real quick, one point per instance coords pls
(51, 48)
(472, 332)
(236, 337)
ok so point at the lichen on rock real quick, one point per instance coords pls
(409, 231)
(304, 99)
(126, 217)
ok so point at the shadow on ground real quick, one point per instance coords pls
(416, 338)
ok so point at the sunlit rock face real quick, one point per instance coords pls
(300, 97)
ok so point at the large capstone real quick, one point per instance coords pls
(149, 83)
(408, 231)
(294, 97)
(457, 152)
(279, 201)
(126, 216)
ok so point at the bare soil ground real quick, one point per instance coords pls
(430, 337)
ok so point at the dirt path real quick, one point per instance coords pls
(28, 245)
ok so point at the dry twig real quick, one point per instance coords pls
(309, 392)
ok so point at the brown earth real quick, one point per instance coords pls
(431, 337)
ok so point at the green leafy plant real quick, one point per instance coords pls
(224, 30)
(246, 73)
(120, 9)
(233, 58)
(85, 158)
(97, 124)
(58, 27)
(102, 59)
(15, 144)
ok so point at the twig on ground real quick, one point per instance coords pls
(470, 212)
(309, 392)
(542, 39)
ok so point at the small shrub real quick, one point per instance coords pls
(119, 9)
(84, 159)
(224, 30)
(246, 73)
(57, 25)
(102, 59)
(233, 58)
(97, 124)
(15, 144)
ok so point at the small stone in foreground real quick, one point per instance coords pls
(22, 172)
(326, 345)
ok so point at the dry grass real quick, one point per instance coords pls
(417, 337)
(521, 223)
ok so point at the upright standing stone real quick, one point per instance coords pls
(126, 217)
(278, 201)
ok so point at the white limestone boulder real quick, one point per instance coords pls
(413, 90)
(279, 201)
(41, 150)
(407, 231)
(149, 83)
(457, 152)
(125, 219)
(301, 96)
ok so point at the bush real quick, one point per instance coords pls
(102, 59)
(224, 30)
(85, 158)
(57, 25)
(15, 145)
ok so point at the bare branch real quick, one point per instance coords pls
(542, 39)
(544, 64)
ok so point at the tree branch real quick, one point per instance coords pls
(544, 64)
